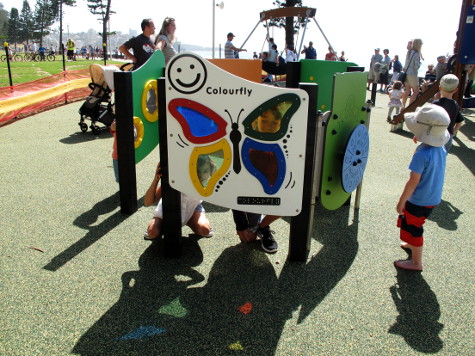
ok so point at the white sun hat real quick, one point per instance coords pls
(429, 124)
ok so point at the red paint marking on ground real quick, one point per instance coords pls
(246, 308)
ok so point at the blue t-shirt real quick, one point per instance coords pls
(429, 162)
(310, 53)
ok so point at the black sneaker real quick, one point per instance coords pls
(268, 242)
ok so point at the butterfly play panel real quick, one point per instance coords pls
(145, 105)
(322, 73)
(346, 140)
(240, 144)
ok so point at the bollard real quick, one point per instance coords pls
(373, 93)
(7, 53)
(104, 52)
(64, 59)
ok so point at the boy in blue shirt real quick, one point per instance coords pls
(423, 190)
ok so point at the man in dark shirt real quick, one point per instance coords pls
(448, 87)
(310, 52)
(141, 45)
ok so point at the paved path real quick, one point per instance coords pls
(77, 277)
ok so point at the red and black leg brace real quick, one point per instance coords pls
(414, 216)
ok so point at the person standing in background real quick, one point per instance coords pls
(142, 45)
(374, 64)
(310, 52)
(166, 39)
(230, 50)
(411, 68)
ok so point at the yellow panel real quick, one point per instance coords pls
(221, 145)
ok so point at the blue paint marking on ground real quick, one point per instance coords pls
(141, 332)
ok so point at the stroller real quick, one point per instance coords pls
(98, 106)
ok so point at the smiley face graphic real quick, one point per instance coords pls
(187, 73)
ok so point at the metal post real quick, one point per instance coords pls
(212, 46)
(373, 92)
(104, 52)
(250, 34)
(301, 225)
(64, 59)
(7, 52)
(358, 189)
(125, 141)
(303, 37)
(326, 39)
(171, 198)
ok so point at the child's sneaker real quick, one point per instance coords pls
(268, 242)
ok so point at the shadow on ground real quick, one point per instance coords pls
(81, 137)
(419, 312)
(95, 232)
(446, 215)
(243, 306)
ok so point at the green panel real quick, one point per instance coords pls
(151, 70)
(321, 72)
(349, 97)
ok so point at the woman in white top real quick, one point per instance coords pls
(166, 38)
(290, 55)
(411, 68)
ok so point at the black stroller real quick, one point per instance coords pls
(98, 106)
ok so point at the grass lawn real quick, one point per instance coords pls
(23, 72)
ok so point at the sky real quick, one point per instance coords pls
(357, 27)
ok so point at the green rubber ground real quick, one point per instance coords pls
(97, 288)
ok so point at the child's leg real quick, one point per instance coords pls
(412, 235)
(199, 223)
(390, 111)
(154, 228)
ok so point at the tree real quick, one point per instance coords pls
(25, 31)
(101, 8)
(13, 26)
(57, 5)
(44, 18)
(288, 23)
(3, 23)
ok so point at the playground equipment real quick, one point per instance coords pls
(280, 170)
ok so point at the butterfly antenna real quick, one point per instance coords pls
(230, 117)
(240, 112)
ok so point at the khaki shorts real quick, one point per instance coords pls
(372, 75)
(412, 81)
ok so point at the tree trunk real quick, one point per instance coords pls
(289, 32)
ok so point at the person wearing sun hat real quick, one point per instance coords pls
(423, 190)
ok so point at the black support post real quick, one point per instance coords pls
(171, 198)
(125, 142)
(301, 225)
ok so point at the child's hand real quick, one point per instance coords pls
(400, 207)
(415, 139)
(158, 171)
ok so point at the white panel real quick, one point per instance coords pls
(216, 100)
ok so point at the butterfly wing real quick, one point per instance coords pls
(199, 123)
(270, 120)
(266, 162)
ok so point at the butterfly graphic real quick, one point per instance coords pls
(266, 132)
